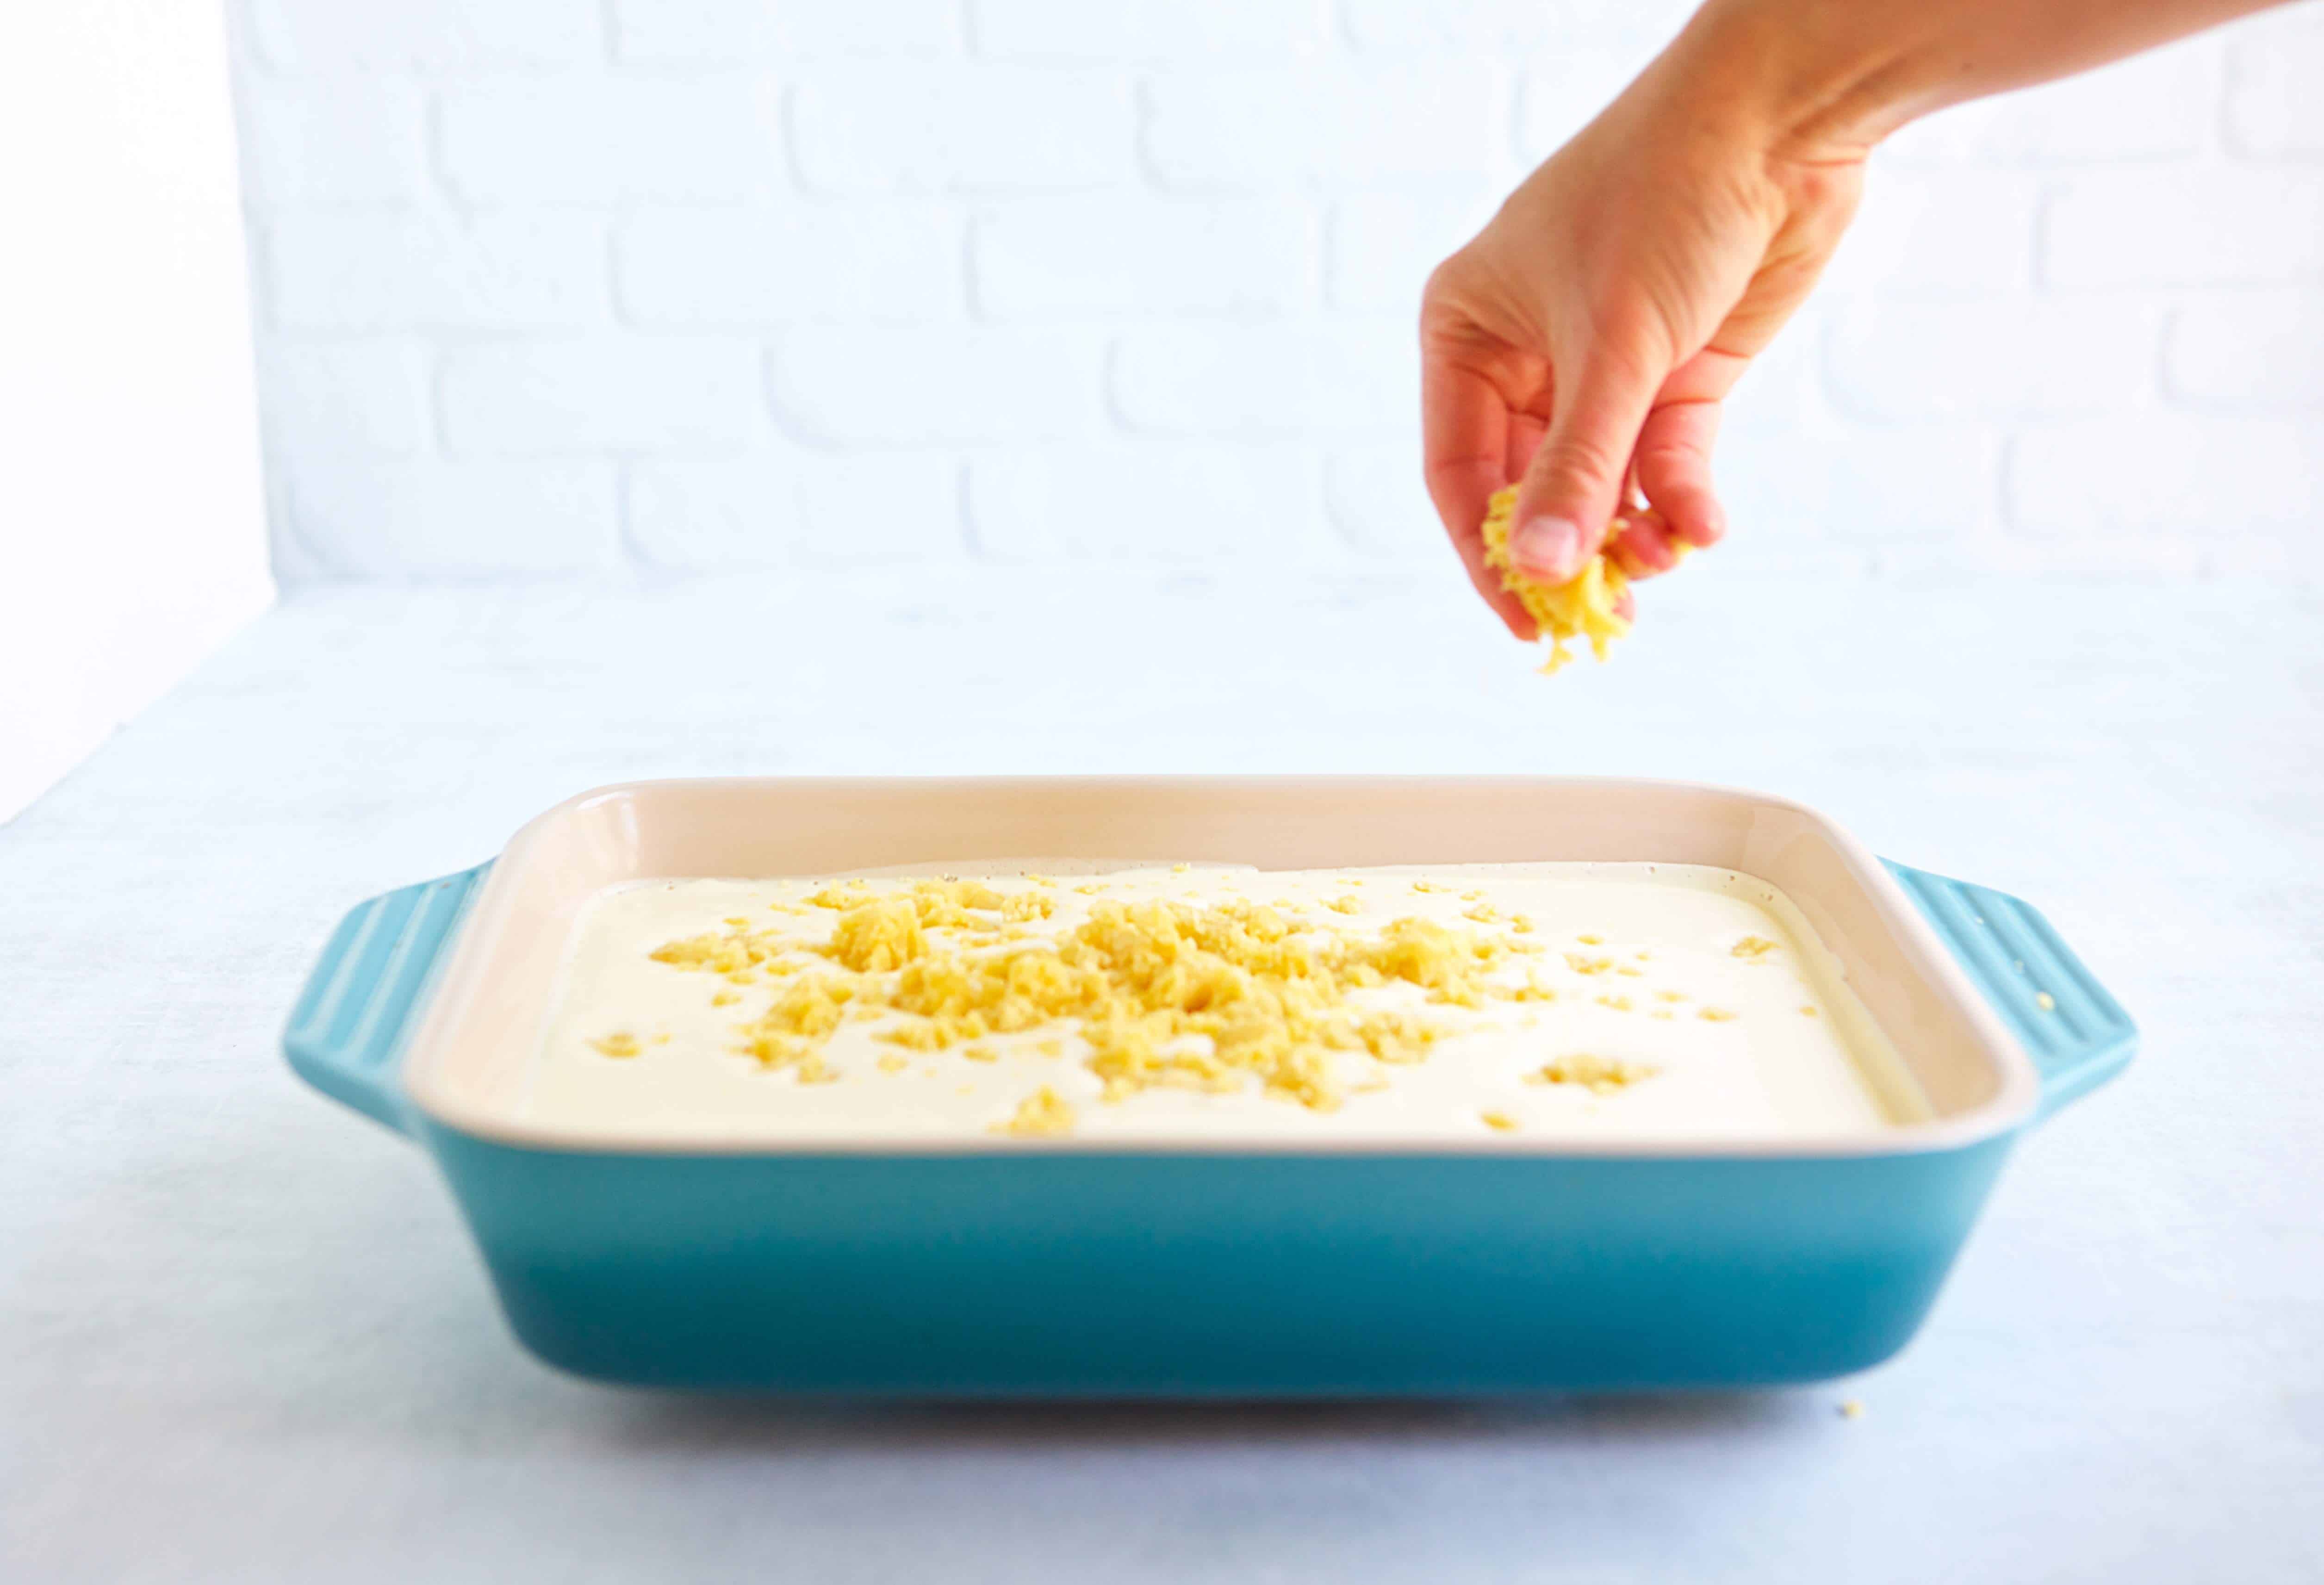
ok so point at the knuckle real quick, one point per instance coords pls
(1594, 459)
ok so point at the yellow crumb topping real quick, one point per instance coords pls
(1498, 1120)
(792, 1032)
(1164, 993)
(621, 1045)
(879, 935)
(1808, 1009)
(1602, 1075)
(1043, 1115)
(1754, 946)
(1346, 904)
(1718, 1014)
(1583, 608)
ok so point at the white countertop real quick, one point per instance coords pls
(242, 1335)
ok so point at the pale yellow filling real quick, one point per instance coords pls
(1197, 996)
(1110, 1007)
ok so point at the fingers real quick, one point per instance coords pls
(1575, 481)
(1464, 430)
(1673, 464)
(1644, 546)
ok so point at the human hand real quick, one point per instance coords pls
(1581, 345)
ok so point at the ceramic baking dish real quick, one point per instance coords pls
(1004, 1266)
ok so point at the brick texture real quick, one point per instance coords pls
(714, 33)
(625, 395)
(880, 387)
(2248, 352)
(581, 140)
(358, 142)
(1105, 256)
(558, 288)
(1174, 501)
(327, 271)
(794, 508)
(1150, 30)
(1326, 124)
(1254, 381)
(2027, 358)
(2165, 473)
(789, 263)
(2185, 226)
(932, 128)
(2274, 107)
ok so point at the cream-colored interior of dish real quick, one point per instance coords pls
(1638, 1001)
(474, 1062)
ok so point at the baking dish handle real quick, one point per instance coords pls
(347, 1033)
(2078, 1035)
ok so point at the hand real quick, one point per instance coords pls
(1583, 344)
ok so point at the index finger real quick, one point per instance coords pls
(1464, 440)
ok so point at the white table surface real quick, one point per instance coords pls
(242, 1335)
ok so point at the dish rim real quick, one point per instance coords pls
(436, 1100)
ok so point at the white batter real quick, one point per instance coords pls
(1787, 1051)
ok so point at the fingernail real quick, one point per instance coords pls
(1548, 548)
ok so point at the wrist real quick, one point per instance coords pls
(1805, 81)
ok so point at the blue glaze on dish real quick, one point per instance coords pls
(2077, 1041)
(1147, 1274)
(348, 1031)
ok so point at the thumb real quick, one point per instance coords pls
(1574, 485)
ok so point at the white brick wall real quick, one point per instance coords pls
(1114, 255)
(711, 137)
(569, 287)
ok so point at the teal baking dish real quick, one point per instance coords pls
(1007, 1267)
